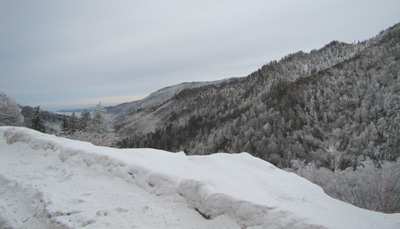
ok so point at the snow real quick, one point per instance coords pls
(51, 182)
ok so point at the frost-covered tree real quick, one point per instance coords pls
(95, 130)
(84, 120)
(366, 186)
(389, 126)
(37, 123)
(64, 124)
(73, 122)
(99, 122)
(10, 112)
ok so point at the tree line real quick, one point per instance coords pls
(96, 123)
(91, 127)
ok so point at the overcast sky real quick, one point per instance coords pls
(64, 54)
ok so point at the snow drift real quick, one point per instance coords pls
(51, 182)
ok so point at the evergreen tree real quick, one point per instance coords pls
(64, 124)
(73, 123)
(84, 120)
(37, 123)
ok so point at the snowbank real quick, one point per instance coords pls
(50, 182)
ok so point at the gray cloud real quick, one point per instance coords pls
(52, 52)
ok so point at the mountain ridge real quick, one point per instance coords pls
(316, 106)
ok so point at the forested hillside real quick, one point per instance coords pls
(334, 106)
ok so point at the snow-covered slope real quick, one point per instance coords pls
(158, 97)
(50, 182)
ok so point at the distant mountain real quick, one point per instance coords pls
(333, 106)
(121, 110)
(78, 110)
(155, 98)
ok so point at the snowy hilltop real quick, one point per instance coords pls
(158, 97)
(51, 182)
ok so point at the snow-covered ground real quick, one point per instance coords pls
(51, 182)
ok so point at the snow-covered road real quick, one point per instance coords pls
(40, 186)
(50, 182)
